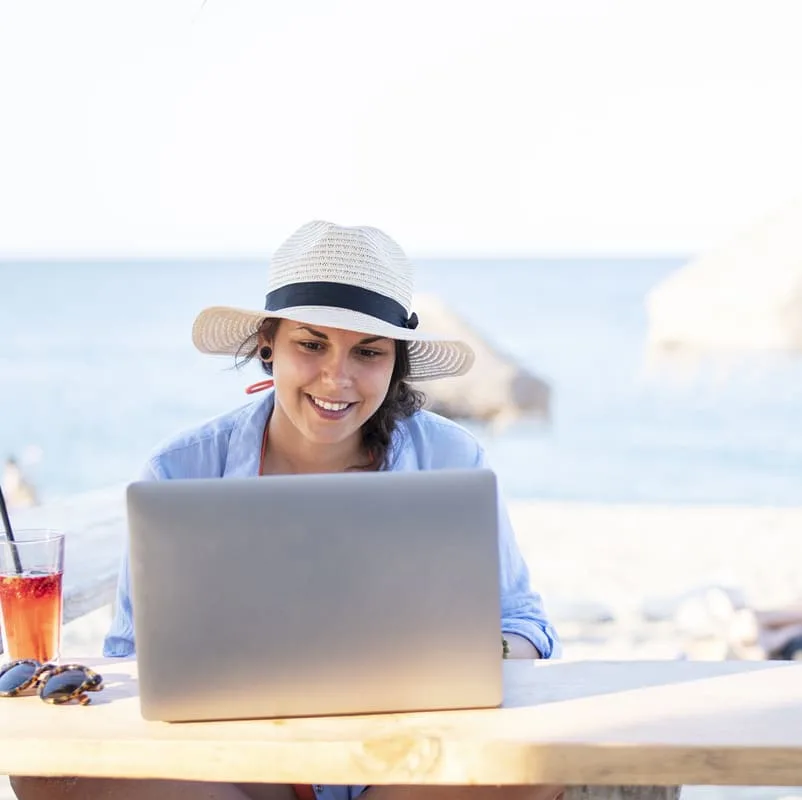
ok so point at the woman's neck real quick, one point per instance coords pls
(288, 451)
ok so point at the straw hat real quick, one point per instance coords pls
(357, 279)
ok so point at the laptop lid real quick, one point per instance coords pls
(321, 594)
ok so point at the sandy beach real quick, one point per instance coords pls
(651, 581)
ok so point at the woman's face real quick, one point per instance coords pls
(329, 381)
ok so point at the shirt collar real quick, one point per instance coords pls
(245, 442)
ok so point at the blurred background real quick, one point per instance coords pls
(548, 166)
(605, 195)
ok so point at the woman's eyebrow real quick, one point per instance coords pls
(321, 335)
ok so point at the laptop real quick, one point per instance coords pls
(308, 595)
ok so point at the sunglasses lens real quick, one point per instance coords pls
(63, 684)
(16, 675)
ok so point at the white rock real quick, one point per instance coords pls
(745, 297)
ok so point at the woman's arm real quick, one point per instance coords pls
(523, 619)
(119, 641)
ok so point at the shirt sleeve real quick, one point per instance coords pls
(119, 641)
(522, 611)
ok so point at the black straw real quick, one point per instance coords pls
(9, 532)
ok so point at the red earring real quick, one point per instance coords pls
(258, 387)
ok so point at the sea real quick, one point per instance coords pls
(97, 368)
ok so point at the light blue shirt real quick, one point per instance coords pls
(229, 446)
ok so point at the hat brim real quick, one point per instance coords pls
(221, 330)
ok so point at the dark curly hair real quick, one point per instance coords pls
(400, 402)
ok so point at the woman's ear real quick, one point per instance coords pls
(264, 347)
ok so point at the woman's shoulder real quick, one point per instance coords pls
(439, 442)
(201, 449)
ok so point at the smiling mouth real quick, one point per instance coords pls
(329, 408)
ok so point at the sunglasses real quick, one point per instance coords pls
(53, 684)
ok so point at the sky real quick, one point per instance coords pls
(216, 128)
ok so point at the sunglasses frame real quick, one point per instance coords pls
(92, 682)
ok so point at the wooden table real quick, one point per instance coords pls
(657, 723)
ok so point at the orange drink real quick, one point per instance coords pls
(31, 595)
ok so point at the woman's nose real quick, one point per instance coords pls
(337, 371)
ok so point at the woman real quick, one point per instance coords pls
(339, 341)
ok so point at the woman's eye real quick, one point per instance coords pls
(367, 353)
(311, 345)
